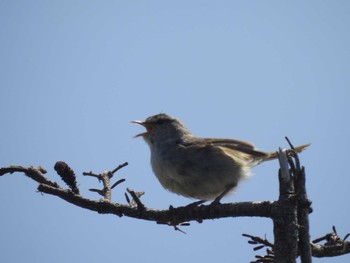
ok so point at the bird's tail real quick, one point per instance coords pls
(274, 155)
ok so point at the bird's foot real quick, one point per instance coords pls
(225, 192)
(195, 204)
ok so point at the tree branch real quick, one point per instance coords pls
(289, 213)
(173, 216)
(35, 173)
(334, 245)
(285, 220)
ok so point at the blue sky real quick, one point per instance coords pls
(75, 73)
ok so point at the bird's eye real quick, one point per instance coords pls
(160, 122)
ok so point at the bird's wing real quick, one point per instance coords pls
(230, 142)
(232, 145)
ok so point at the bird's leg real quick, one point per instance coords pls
(218, 199)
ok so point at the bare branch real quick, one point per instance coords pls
(289, 213)
(261, 243)
(120, 166)
(285, 220)
(334, 245)
(118, 182)
(303, 205)
(105, 177)
(35, 173)
(175, 216)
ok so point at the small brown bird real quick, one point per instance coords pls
(200, 168)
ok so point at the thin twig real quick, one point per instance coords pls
(92, 174)
(35, 173)
(117, 183)
(105, 178)
(136, 198)
(120, 166)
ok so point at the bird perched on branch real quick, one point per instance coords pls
(200, 168)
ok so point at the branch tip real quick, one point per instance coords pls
(120, 166)
(117, 183)
(290, 144)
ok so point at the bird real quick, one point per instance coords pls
(199, 168)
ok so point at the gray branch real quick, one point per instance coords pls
(289, 214)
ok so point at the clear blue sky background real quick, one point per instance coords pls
(75, 73)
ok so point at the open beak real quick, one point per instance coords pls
(144, 125)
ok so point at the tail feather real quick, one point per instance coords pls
(274, 155)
